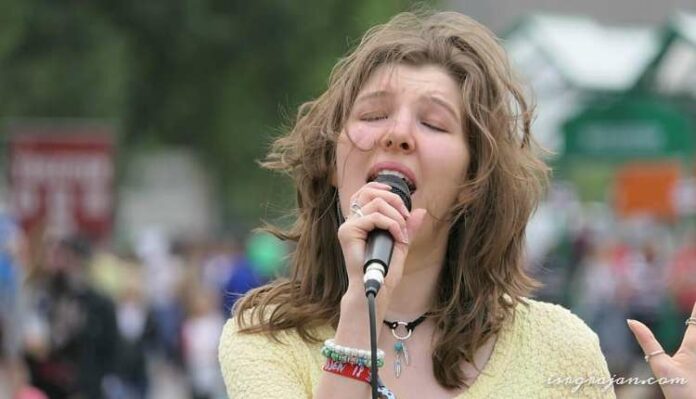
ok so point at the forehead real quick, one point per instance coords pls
(413, 80)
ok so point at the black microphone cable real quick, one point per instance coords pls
(380, 245)
(373, 345)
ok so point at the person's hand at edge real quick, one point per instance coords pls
(677, 372)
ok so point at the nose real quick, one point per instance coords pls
(399, 136)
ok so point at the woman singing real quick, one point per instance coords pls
(429, 98)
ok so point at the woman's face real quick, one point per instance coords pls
(406, 118)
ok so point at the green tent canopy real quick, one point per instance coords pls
(629, 129)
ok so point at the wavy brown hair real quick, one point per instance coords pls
(483, 276)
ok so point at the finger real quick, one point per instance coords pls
(370, 191)
(367, 194)
(367, 223)
(689, 341)
(385, 208)
(383, 186)
(659, 364)
(356, 197)
(373, 185)
(401, 249)
(412, 225)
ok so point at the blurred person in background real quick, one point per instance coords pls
(107, 272)
(647, 279)
(71, 346)
(11, 276)
(242, 278)
(217, 267)
(682, 273)
(164, 278)
(598, 301)
(560, 268)
(14, 379)
(137, 336)
(201, 335)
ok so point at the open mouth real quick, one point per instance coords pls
(411, 185)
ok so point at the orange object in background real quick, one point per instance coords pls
(646, 188)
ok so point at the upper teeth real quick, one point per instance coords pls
(395, 173)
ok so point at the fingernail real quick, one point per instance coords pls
(630, 322)
(404, 235)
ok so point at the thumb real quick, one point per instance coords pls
(415, 221)
(412, 225)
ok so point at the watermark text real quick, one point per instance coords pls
(608, 382)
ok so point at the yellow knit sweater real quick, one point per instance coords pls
(543, 352)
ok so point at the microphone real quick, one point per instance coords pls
(380, 243)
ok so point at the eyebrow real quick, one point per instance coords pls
(373, 94)
(445, 105)
(437, 100)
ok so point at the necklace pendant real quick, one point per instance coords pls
(407, 358)
(397, 366)
(401, 352)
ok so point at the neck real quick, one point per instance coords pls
(416, 291)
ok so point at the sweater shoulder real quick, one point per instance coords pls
(556, 337)
(548, 321)
(249, 361)
(235, 339)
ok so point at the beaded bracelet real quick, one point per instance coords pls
(343, 354)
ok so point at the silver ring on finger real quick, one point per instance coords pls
(690, 320)
(355, 209)
(649, 355)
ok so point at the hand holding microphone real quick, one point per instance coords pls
(380, 243)
(375, 236)
(379, 220)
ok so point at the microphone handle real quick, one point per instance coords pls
(379, 248)
(378, 252)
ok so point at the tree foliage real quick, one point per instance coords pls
(219, 77)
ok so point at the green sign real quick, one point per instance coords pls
(629, 129)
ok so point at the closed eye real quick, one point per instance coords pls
(370, 118)
(433, 127)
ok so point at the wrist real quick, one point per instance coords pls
(354, 298)
(354, 322)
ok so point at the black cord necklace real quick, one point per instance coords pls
(400, 345)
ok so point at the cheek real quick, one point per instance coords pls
(448, 159)
(348, 164)
(363, 137)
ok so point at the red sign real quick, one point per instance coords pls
(61, 178)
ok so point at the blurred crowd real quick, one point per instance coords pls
(607, 269)
(81, 320)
